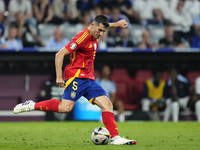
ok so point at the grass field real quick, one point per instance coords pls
(76, 136)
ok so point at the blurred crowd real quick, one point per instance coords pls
(152, 23)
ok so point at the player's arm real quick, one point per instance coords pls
(118, 24)
(59, 57)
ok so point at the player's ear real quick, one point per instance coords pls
(92, 24)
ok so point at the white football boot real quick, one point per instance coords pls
(117, 140)
(24, 107)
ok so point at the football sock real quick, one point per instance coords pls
(175, 111)
(109, 122)
(48, 105)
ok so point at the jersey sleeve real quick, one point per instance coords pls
(77, 42)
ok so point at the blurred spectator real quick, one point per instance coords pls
(114, 17)
(2, 6)
(84, 5)
(103, 42)
(110, 88)
(169, 40)
(43, 11)
(24, 6)
(181, 19)
(85, 22)
(146, 43)
(125, 7)
(65, 10)
(105, 6)
(147, 9)
(2, 29)
(178, 91)
(196, 21)
(3, 43)
(105, 3)
(57, 41)
(192, 7)
(123, 39)
(194, 103)
(24, 31)
(153, 93)
(196, 40)
(12, 42)
(167, 7)
(96, 11)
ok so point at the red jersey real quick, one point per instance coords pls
(82, 50)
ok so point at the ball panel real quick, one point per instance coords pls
(100, 136)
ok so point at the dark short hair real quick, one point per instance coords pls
(101, 19)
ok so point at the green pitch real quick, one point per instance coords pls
(76, 136)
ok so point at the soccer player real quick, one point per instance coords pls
(79, 78)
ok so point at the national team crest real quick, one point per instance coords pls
(73, 46)
(73, 94)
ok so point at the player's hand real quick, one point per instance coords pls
(122, 23)
(60, 82)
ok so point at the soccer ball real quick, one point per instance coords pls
(100, 136)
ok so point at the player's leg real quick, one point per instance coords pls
(109, 121)
(175, 111)
(146, 104)
(70, 95)
(168, 110)
(197, 109)
(120, 108)
(49, 105)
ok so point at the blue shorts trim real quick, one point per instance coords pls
(77, 87)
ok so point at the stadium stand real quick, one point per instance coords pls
(156, 32)
(136, 33)
(46, 31)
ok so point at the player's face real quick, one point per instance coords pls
(106, 71)
(98, 30)
(173, 74)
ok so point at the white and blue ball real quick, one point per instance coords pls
(100, 136)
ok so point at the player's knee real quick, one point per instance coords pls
(65, 110)
(108, 106)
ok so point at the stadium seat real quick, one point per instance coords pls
(192, 75)
(46, 31)
(120, 74)
(157, 32)
(139, 80)
(136, 33)
(96, 74)
(165, 75)
(69, 31)
(124, 88)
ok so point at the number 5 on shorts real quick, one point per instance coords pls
(75, 87)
